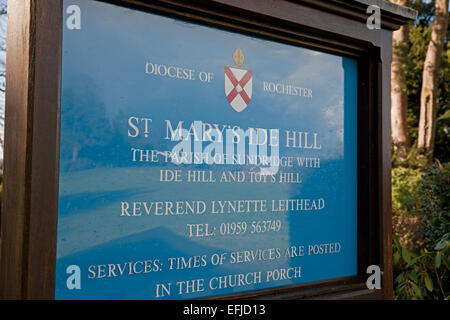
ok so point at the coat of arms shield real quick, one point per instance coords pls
(238, 83)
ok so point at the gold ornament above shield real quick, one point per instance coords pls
(238, 57)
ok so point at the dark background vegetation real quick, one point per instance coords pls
(421, 195)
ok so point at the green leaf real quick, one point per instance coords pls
(396, 242)
(447, 261)
(428, 282)
(405, 254)
(413, 276)
(396, 258)
(399, 278)
(413, 262)
(416, 290)
(437, 260)
(445, 116)
(443, 242)
(440, 245)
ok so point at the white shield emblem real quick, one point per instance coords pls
(238, 87)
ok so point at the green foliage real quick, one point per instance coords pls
(442, 143)
(433, 203)
(405, 182)
(422, 272)
(415, 51)
(421, 199)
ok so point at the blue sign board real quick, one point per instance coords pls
(198, 162)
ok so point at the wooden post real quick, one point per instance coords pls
(28, 228)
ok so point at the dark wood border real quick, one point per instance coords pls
(29, 215)
(30, 194)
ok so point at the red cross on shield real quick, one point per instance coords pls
(238, 87)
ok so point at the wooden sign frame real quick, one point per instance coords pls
(32, 127)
